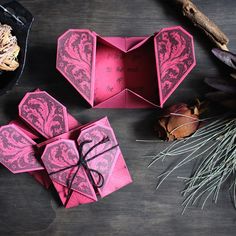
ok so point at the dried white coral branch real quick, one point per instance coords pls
(9, 49)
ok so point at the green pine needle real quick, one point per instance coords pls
(214, 148)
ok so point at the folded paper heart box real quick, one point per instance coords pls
(83, 162)
(125, 72)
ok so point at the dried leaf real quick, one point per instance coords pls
(225, 56)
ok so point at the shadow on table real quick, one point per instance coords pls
(25, 205)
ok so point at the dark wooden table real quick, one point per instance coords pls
(26, 208)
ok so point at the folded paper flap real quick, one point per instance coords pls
(106, 153)
(117, 42)
(44, 113)
(61, 159)
(125, 44)
(138, 44)
(174, 57)
(76, 58)
(17, 150)
(116, 101)
(133, 99)
(132, 42)
(126, 99)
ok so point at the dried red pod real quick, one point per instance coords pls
(178, 121)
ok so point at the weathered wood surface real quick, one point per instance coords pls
(28, 209)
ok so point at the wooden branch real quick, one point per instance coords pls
(201, 21)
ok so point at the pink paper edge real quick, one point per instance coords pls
(25, 128)
(110, 43)
(76, 198)
(138, 44)
(113, 187)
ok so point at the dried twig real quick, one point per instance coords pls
(200, 20)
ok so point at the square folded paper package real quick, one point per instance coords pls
(86, 164)
(125, 72)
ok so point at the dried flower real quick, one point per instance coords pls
(178, 121)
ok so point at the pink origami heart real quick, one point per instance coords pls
(17, 150)
(44, 113)
(62, 154)
(133, 72)
(99, 148)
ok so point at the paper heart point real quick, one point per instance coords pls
(102, 68)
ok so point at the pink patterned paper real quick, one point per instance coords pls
(63, 153)
(44, 114)
(105, 163)
(175, 59)
(76, 60)
(109, 71)
(17, 150)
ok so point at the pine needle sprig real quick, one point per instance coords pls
(214, 148)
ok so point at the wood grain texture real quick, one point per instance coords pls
(28, 209)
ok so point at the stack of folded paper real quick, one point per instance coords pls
(83, 162)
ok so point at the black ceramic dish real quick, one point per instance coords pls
(14, 14)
